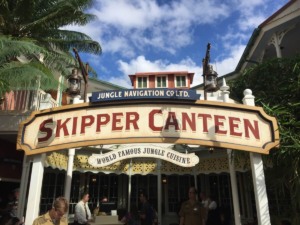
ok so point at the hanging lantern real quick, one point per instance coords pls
(211, 84)
(74, 83)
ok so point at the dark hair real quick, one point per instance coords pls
(195, 190)
(83, 194)
(144, 194)
(285, 222)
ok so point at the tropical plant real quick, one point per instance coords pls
(34, 45)
(276, 86)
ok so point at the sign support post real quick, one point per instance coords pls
(35, 188)
(71, 154)
(258, 176)
(23, 187)
(159, 191)
(234, 190)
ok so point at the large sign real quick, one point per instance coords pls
(151, 151)
(223, 125)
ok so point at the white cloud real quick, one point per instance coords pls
(146, 23)
(141, 64)
(122, 81)
(131, 30)
(229, 63)
(118, 45)
(125, 14)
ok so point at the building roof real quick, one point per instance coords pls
(259, 40)
(99, 85)
(131, 76)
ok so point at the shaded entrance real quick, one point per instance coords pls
(218, 126)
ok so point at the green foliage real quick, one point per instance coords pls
(20, 63)
(276, 86)
(41, 20)
(4, 87)
(33, 45)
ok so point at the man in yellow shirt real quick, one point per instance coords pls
(191, 210)
(56, 215)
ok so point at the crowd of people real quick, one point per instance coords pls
(82, 216)
(204, 211)
(197, 210)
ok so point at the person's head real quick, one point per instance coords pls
(85, 197)
(59, 208)
(143, 197)
(192, 193)
(17, 193)
(285, 222)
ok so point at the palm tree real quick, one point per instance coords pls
(33, 44)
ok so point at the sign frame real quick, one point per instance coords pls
(274, 132)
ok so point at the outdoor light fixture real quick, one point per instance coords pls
(84, 72)
(211, 84)
(211, 150)
(74, 82)
(209, 75)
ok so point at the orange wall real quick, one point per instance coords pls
(171, 83)
(151, 81)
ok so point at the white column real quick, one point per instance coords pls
(35, 188)
(258, 176)
(195, 181)
(23, 187)
(129, 185)
(159, 192)
(68, 179)
(59, 90)
(277, 38)
(71, 153)
(276, 42)
(234, 190)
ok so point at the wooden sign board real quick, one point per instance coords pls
(206, 123)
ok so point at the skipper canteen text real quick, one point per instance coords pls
(156, 121)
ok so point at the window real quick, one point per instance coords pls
(161, 82)
(180, 81)
(144, 183)
(178, 187)
(53, 186)
(142, 82)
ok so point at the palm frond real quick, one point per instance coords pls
(60, 14)
(21, 75)
(11, 48)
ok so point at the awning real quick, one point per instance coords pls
(209, 163)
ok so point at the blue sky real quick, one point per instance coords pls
(171, 35)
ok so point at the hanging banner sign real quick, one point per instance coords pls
(180, 159)
(205, 123)
(116, 95)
